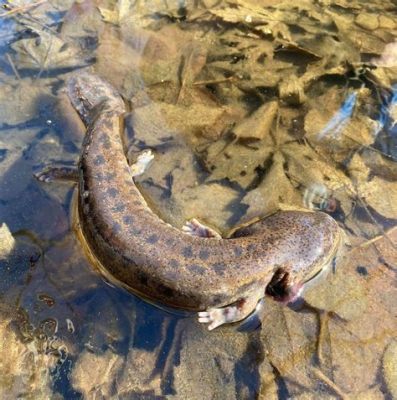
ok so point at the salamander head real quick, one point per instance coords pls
(90, 94)
(319, 241)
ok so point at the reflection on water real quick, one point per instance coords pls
(338, 122)
(387, 125)
(249, 106)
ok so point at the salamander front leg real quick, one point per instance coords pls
(142, 162)
(50, 174)
(233, 313)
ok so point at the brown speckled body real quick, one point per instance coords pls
(161, 262)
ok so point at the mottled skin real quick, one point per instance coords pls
(163, 263)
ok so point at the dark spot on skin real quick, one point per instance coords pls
(112, 192)
(116, 228)
(169, 242)
(110, 176)
(105, 141)
(251, 247)
(107, 123)
(187, 252)
(333, 264)
(99, 176)
(174, 263)
(197, 269)
(119, 207)
(99, 160)
(219, 268)
(218, 299)
(238, 251)
(128, 220)
(137, 203)
(107, 145)
(152, 239)
(204, 255)
(362, 270)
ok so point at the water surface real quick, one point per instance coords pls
(250, 107)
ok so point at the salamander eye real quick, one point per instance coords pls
(278, 287)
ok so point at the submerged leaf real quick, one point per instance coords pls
(273, 192)
(258, 124)
(335, 123)
(47, 51)
(381, 195)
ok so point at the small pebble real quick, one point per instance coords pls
(367, 21)
(386, 22)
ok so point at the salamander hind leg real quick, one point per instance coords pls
(254, 320)
(50, 174)
(235, 312)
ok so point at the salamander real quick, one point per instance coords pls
(222, 279)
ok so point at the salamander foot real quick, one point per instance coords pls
(194, 227)
(233, 313)
(50, 174)
(217, 316)
(142, 162)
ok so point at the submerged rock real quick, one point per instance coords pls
(7, 241)
(390, 368)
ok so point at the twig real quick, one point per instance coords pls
(9, 59)
(216, 81)
(364, 146)
(376, 238)
(16, 10)
(320, 375)
(324, 318)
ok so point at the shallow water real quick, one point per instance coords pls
(249, 106)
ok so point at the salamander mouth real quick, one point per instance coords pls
(278, 287)
(281, 289)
